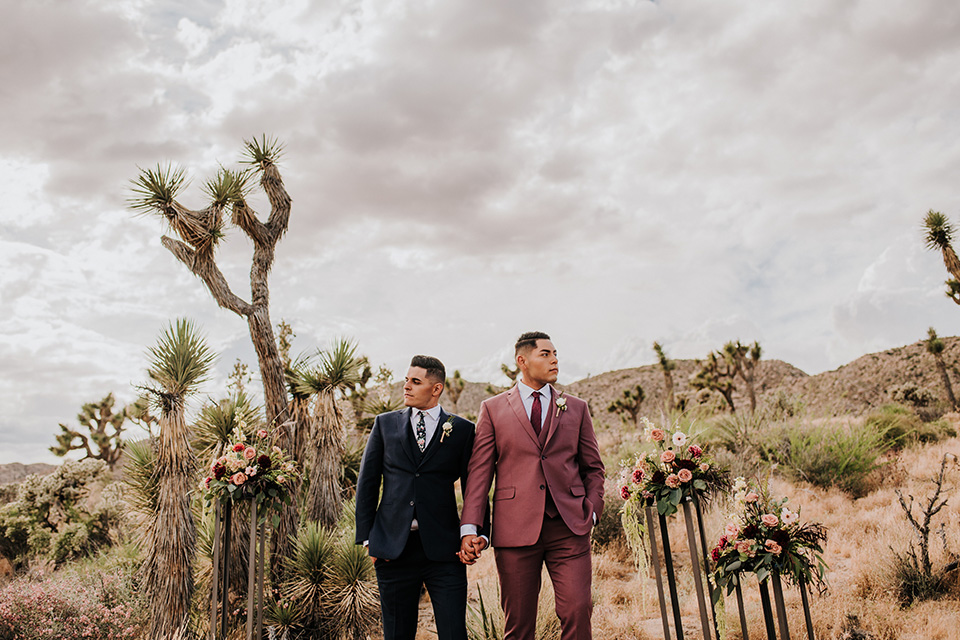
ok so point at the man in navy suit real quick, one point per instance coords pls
(413, 534)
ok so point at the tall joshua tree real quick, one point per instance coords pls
(718, 375)
(104, 427)
(935, 348)
(338, 370)
(628, 405)
(938, 233)
(667, 366)
(178, 364)
(744, 360)
(454, 387)
(200, 231)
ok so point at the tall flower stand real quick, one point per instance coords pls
(696, 543)
(770, 620)
(221, 572)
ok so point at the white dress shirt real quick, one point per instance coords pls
(526, 396)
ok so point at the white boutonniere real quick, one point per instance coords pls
(561, 404)
(447, 428)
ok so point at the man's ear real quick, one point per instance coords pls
(438, 388)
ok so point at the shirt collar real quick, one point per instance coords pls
(526, 391)
(433, 412)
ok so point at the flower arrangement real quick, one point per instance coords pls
(251, 471)
(672, 472)
(765, 536)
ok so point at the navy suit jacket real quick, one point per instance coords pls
(415, 485)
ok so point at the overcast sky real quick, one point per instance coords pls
(612, 173)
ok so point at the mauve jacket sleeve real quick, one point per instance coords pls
(480, 471)
(591, 463)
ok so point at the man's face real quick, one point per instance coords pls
(539, 365)
(419, 391)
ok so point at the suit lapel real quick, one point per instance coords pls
(403, 428)
(553, 415)
(434, 443)
(513, 399)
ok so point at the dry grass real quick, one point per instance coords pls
(863, 536)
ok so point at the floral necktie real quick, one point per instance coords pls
(421, 432)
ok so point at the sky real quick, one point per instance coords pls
(610, 172)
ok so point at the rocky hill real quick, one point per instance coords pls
(856, 387)
(16, 472)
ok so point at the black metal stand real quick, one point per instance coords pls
(221, 573)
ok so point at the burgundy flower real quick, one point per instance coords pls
(625, 492)
(715, 554)
(219, 470)
(264, 461)
(695, 451)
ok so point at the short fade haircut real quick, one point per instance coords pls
(435, 369)
(528, 341)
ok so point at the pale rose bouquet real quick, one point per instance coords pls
(764, 535)
(672, 472)
(251, 471)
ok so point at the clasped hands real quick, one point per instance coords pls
(470, 548)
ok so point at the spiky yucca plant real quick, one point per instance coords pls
(338, 369)
(938, 235)
(178, 364)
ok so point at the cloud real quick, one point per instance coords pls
(612, 172)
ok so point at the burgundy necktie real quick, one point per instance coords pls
(535, 412)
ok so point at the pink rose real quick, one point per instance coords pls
(657, 435)
(281, 479)
(672, 481)
(695, 451)
(249, 453)
(667, 456)
(685, 475)
(704, 467)
(638, 476)
(239, 447)
(262, 433)
(744, 546)
(769, 520)
(238, 478)
(625, 492)
(751, 497)
(732, 529)
(773, 547)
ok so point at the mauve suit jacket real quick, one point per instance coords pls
(414, 484)
(568, 463)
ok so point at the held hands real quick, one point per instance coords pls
(470, 548)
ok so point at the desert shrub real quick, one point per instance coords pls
(901, 427)
(54, 516)
(609, 529)
(912, 584)
(785, 405)
(98, 606)
(841, 457)
(912, 395)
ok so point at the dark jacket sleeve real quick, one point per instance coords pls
(368, 482)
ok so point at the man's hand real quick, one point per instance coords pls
(470, 548)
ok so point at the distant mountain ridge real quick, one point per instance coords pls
(855, 387)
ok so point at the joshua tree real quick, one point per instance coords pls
(454, 387)
(178, 364)
(939, 237)
(717, 374)
(511, 373)
(156, 191)
(935, 348)
(744, 361)
(629, 405)
(104, 427)
(667, 365)
(339, 369)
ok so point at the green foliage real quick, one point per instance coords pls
(100, 427)
(912, 584)
(609, 529)
(938, 230)
(842, 457)
(912, 395)
(350, 467)
(54, 517)
(179, 361)
(628, 405)
(339, 369)
(262, 151)
(144, 484)
(156, 189)
(901, 427)
(219, 421)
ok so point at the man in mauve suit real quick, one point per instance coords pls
(541, 448)
(413, 534)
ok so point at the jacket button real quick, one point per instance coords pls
(541, 488)
(543, 457)
(417, 475)
(411, 502)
